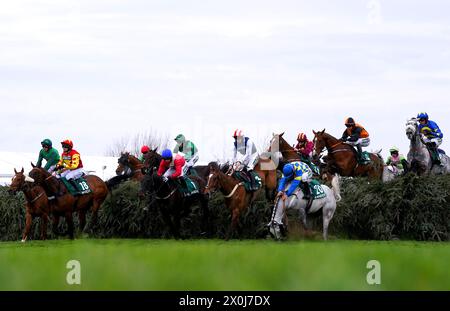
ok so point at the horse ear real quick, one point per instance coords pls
(32, 165)
(15, 170)
(154, 150)
(322, 131)
(281, 135)
(22, 170)
(314, 132)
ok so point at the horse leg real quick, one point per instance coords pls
(205, 216)
(234, 221)
(167, 219)
(82, 219)
(44, 222)
(55, 224)
(177, 224)
(302, 214)
(69, 220)
(28, 223)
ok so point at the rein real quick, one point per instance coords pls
(36, 198)
(234, 190)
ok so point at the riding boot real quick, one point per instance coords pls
(252, 180)
(306, 190)
(359, 155)
(307, 196)
(434, 153)
(75, 186)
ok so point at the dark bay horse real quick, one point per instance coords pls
(170, 201)
(341, 158)
(129, 163)
(152, 159)
(65, 204)
(237, 199)
(37, 204)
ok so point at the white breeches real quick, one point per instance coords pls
(171, 170)
(364, 142)
(437, 141)
(73, 174)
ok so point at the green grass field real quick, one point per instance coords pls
(220, 265)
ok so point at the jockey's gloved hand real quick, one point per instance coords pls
(165, 179)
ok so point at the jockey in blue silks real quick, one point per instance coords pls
(299, 173)
(431, 135)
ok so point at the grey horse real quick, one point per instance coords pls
(296, 202)
(419, 156)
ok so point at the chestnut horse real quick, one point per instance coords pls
(237, 199)
(37, 204)
(282, 151)
(65, 204)
(341, 158)
(128, 162)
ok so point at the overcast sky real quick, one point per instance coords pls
(94, 71)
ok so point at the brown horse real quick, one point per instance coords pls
(237, 199)
(341, 158)
(37, 204)
(282, 151)
(267, 171)
(128, 162)
(65, 203)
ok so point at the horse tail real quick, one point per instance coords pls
(336, 187)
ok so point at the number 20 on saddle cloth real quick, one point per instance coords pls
(317, 191)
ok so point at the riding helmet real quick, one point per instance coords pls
(288, 170)
(67, 142)
(46, 142)
(166, 154)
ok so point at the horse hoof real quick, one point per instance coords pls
(22, 241)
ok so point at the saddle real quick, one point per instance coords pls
(77, 187)
(251, 180)
(186, 186)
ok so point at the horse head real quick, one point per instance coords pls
(123, 162)
(411, 128)
(18, 181)
(319, 142)
(152, 159)
(213, 183)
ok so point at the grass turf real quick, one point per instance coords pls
(219, 265)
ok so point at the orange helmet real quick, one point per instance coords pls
(67, 142)
(302, 137)
(238, 133)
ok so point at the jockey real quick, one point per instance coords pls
(144, 150)
(299, 173)
(245, 152)
(48, 153)
(431, 135)
(170, 167)
(70, 165)
(397, 160)
(355, 135)
(189, 150)
(304, 147)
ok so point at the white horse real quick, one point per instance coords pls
(419, 156)
(390, 172)
(296, 202)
